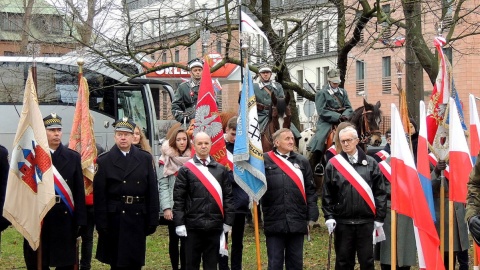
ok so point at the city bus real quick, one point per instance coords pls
(112, 96)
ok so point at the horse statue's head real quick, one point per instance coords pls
(367, 121)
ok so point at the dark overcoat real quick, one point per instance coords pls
(60, 227)
(122, 226)
(4, 167)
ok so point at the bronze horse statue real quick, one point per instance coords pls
(279, 116)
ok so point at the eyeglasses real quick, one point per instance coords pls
(347, 141)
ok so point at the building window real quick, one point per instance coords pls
(189, 53)
(280, 33)
(221, 7)
(164, 57)
(324, 75)
(319, 78)
(177, 55)
(299, 47)
(300, 82)
(326, 39)
(386, 75)
(448, 53)
(320, 37)
(219, 46)
(358, 16)
(360, 78)
(386, 35)
(264, 50)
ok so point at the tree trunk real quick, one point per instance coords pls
(414, 69)
(27, 18)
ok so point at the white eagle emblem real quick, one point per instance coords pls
(205, 123)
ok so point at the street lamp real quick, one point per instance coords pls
(205, 38)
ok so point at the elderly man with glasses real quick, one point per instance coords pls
(353, 202)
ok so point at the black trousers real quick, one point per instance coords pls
(87, 241)
(173, 250)
(202, 246)
(285, 249)
(351, 240)
(236, 247)
(30, 257)
(461, 258)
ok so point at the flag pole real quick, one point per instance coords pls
(393, 243)
(450, 235)
(240, 36)
(442, 214)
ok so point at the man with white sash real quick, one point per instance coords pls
(68, 217)
(290, 203)
(203, 206)
(353, 202)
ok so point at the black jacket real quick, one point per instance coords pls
(342, 202)
(59, 230)
(284, 208)
(195, 207)
(240, 197)
(4, 167)
(123, 226)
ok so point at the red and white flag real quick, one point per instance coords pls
(474, 129)
(30, 189)
(248, 25)
(82, 138)
(460, 160)
(208, 120)
(406, 188)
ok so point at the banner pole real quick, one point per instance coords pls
(393, 235)
(257, 235)
(442, 215)
(450, 235)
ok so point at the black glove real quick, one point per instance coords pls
(441, 165)
(474, 227)
(151, 230)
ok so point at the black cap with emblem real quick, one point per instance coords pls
(124, 124)
(52, 121)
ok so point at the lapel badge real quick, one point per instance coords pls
(364, 162)
(296, 166)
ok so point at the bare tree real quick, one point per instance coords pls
(27, 18)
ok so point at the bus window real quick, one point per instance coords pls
(130, 103)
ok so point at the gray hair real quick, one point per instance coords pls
(278, 132)
(349, 129)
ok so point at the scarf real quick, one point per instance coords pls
(172, 160)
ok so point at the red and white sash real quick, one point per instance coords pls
(63, 190)
(294, 173)
(332, 150)
(433, 159)
(208, 180)
(386, 170)
(355, 179)
(383, 154)
(214, 188)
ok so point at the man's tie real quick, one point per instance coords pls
(204, 161)
(284, 156)
(352, 159)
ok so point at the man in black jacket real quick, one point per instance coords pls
(290, 203)
(353, 202)
(203, 205)
(4, 167)
(125, 201)
(64, 221)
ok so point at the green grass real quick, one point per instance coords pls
(11, 256)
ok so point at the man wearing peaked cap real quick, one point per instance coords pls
(65, 221)
(186, 96)
(263, 93)
(126, 201)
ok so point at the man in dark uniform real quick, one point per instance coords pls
(290, 203)
(4, 167)
(125, 201)
(63, 223)
(333, 107)
(186, 96)
(203, 205)
(263, 93)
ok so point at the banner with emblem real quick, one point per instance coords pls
(30, 189)
(82, 138)
(208, 120)
(249, 169)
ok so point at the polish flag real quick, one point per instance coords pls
(460, 160)
(474, 129)
(406, 188)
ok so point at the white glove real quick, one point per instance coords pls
(378, 224)
(181, 231)
(226, 228)
(331, 224)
